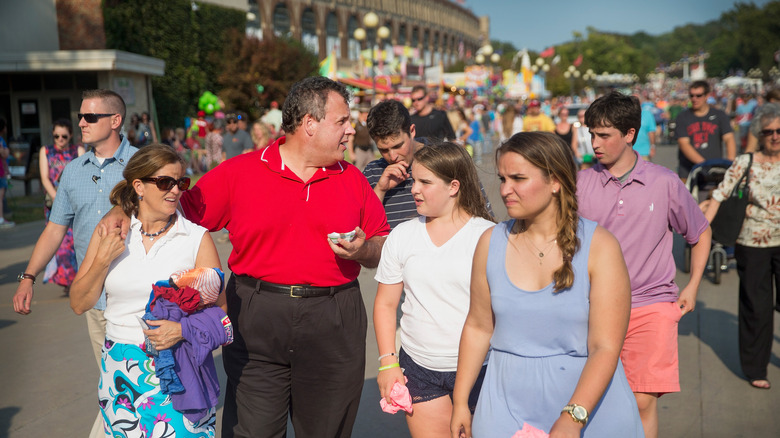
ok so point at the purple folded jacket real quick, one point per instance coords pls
(203, 333)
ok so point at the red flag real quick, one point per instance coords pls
(548, 52)
(578, 61)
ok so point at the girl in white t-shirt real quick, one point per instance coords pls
(429, 259)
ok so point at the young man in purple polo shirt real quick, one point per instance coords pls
(641, 203)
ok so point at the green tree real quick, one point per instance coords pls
(275, 64)
(188, 39)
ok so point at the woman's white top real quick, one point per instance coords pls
(437, 283)
(132, 274)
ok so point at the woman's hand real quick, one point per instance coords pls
(565, 427)
(386, 379)
(116, 218)
(460, 424)
(111, 244)
(166, 335)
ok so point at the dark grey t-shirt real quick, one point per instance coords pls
(234, 144)
(705, 133)
(436, 126)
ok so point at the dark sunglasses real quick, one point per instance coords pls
(167, 182)
(93, 117)
(231, 121)
(418, 99)
(696, 95)
(64, 137)
(769, 132)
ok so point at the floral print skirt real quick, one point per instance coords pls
(131, 402)
(61, 269)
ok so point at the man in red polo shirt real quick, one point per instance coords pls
(293, 298)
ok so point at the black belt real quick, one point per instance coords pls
(294, 290)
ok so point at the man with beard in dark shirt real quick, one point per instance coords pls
(430, 122)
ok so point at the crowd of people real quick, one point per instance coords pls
(549, 321)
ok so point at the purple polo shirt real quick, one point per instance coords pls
(641, 214)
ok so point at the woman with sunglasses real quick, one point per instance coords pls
(52, 160)
(160, 242)
(758, 245)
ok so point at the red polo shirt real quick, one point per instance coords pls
(278, 223)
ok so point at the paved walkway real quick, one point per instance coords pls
(48, 374)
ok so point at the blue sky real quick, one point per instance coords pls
(538, 24)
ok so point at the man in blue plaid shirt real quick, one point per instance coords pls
(83, 198)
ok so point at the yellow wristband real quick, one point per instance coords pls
(387, 367)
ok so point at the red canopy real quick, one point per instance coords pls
(366, 84)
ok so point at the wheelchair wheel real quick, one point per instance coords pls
(717, 266)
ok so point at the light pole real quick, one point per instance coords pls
(372, 35)
(485, 53)
(774, 73)
(572, 74)
(589, 77)
(540, 66)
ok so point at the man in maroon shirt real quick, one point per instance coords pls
(293, 298)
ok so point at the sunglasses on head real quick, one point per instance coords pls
(93, 117)
(64, 137)
(769, 132)
(167, 182)
(696, 95)
(418, 98)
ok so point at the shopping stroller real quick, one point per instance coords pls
(702, 180)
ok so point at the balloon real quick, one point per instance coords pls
(208, 102)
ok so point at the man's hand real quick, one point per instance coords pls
(687, 299)
(349, 250)
(23, 297)
(393, 175)
(365, 252)
(116, 218)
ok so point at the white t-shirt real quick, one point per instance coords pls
(132, 274)
(437, 283)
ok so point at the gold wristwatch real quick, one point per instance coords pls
(577, 412)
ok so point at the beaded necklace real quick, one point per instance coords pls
(151, 236)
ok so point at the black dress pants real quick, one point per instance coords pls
(758, 269)
(299, 356)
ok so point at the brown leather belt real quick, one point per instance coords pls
(294, 290)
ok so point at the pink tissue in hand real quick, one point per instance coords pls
(529, 431)
(400, 399)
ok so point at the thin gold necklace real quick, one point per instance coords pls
(539, 254)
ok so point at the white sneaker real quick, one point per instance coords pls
(6, 224)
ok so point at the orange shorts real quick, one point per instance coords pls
(649, 353)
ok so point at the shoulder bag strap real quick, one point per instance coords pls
(746, 177)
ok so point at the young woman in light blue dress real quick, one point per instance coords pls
(550, 298)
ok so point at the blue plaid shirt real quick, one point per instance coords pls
(82, 197)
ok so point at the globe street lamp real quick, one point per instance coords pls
(572, 74)
(372, 36)
(541, 67)
(589, 76)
